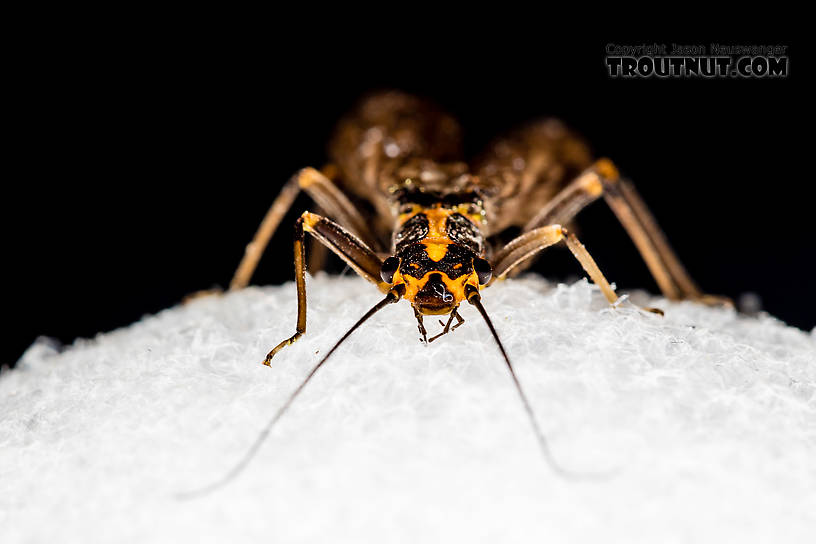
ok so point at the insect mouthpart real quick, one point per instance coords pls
(434, 298)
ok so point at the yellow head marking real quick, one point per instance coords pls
(416, 287)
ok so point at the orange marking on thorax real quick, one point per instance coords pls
(437, 209)
(403, 217)
(437, 239)
(437, 221)
(436, 250)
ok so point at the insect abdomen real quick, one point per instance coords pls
(384, 133)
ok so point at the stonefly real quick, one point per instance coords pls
(406, 213)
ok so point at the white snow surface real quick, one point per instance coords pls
(704, 422)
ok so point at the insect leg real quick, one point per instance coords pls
(317, 256)
(522, 248)
(528, 244)
(603, 179)
(588, 263)
(325, 193)
(448, 328)
(343, 243)
(421, 327)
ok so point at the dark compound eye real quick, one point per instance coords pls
(389, 268)
(483, 270)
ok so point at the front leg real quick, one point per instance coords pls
(347, 246)
(530, 243)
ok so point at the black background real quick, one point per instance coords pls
(146, 162)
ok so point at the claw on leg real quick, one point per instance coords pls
(287, 342)
(716, 301)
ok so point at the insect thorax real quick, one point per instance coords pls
(437, 217)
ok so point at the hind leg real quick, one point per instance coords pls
(603, 180)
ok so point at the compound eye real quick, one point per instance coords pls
(483, 270)
(389, 268)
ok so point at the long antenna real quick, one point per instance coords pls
(476, 299)
(262, 436)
